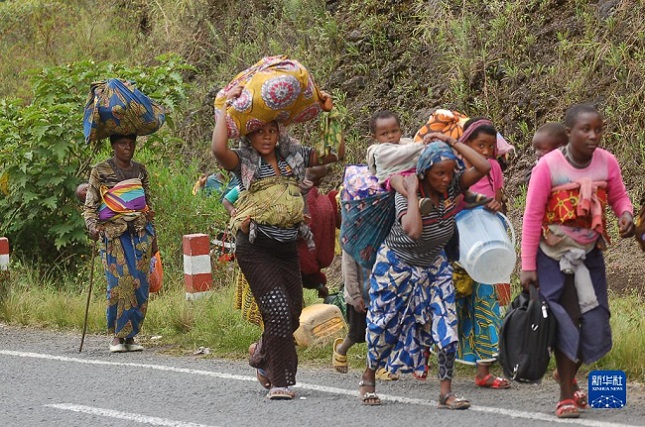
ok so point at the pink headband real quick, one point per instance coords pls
(473, 127)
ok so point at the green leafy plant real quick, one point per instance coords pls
(43, 156)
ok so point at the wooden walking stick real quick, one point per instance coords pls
(89, 294)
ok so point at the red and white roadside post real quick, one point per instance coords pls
(4, 254)
(198, 276)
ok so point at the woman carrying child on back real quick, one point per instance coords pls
(412, 294)
(477, 303)
(267, 217)
(565, 223)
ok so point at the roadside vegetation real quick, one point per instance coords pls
(520, 63)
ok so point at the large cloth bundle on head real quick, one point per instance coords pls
(444, 121)
(451, 122)
(275, 88)
(367, 214)
(115, 106)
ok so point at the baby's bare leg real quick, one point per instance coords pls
(396, 182)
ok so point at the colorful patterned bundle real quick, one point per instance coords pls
(115, 106)
(275, 88)
(126, 197)
(452, 123)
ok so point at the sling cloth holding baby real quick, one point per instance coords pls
(125, 199)
(273, 201)
(368, 213)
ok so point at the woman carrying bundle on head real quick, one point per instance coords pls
(268, 215)
(119, 214)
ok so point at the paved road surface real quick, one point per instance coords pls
(44, 381)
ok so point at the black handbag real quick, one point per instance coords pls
(527, 338)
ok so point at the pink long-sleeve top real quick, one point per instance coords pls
(553, 170)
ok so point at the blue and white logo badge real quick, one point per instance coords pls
(607, 389)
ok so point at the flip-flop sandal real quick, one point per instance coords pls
(498, 382)
(339, 361)
(369, 398)
(456, 403)
(281, 393)
(473, 200)
(383, 375)
(567, 408)
(579, 395)
(580, 399)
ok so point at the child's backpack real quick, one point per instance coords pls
(527, 338)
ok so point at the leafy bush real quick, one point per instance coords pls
(43, 157)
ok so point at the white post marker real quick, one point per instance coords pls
(197, 266)
(4, 254)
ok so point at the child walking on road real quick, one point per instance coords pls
(564, 220)
(477, 303)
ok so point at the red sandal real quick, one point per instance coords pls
(579, 395)
(580, 399)
(498, 382)
(567, 408)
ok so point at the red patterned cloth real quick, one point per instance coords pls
(323, 211)
(578, 204)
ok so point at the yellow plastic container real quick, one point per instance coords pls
(320, 324)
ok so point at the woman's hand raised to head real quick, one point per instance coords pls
(219, 142)
(434, 136)
(233, 92)
(411, 183)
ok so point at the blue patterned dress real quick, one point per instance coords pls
(411, 309)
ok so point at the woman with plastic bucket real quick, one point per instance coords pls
(411, 290)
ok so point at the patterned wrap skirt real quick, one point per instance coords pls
(244, 299)
(273, 273)
(479, 322)
(411, 309)
(126, 261)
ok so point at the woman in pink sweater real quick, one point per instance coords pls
(564, 232)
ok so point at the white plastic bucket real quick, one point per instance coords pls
(485, 250)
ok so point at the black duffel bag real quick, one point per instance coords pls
(527, 338)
